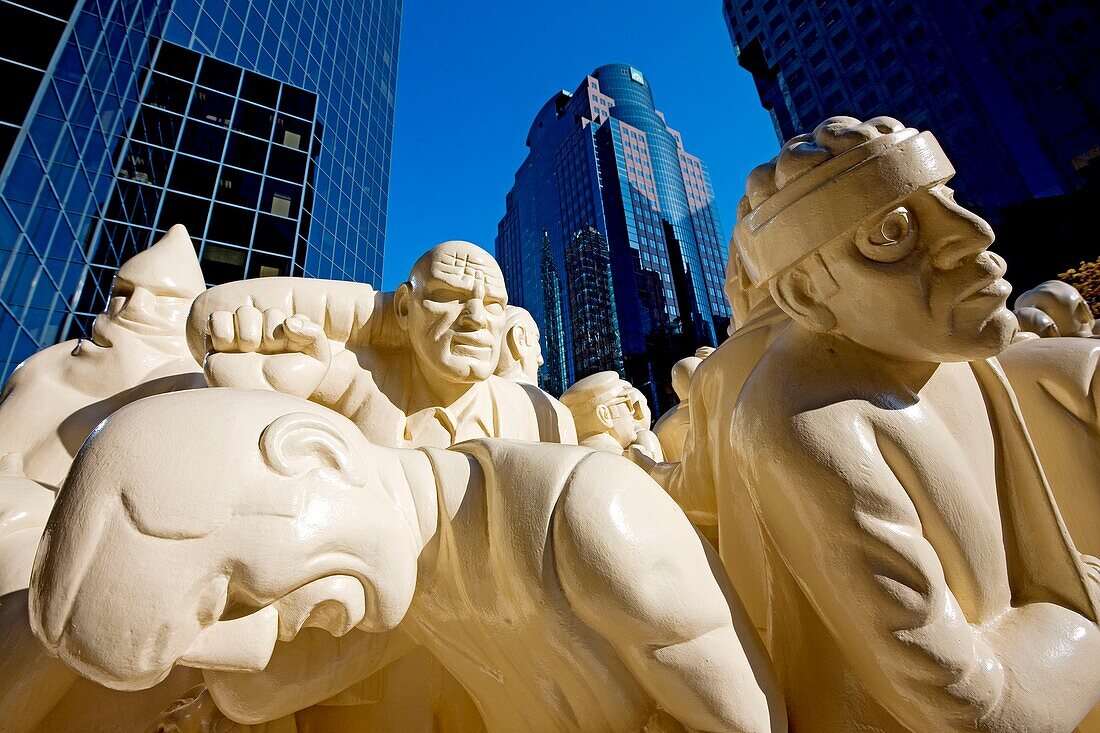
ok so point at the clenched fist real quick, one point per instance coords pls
(250, 349)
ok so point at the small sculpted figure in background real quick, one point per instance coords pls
(671, 429)
(521, 354)
(137, 348)
(1063, 304)
(920, 575)
(561, 585)
(1036, 322)
(1057, 384)
(611, 415)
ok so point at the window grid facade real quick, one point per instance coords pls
(60, 169)
(224, 152)
(1009, 89)
(100, 157)
(347, 53)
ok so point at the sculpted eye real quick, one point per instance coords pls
(889, 238)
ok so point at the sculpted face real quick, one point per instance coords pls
(531, 352)
(140, 310)
(151, 294)
(521, 353)
(625, 414)
(453, 308)
(1063, 304)
(918, 282)
(271, 520)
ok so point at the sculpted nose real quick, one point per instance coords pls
(965, 234)
(140, 303)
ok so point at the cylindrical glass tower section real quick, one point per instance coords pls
(634, 106)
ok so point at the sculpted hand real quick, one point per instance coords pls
(247, 349)
(195, 712)
(646, 443)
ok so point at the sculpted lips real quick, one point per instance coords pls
(992, 285)
(480, 339)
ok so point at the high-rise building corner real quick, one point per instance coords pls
(611, 237)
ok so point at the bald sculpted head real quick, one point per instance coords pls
(453, 307)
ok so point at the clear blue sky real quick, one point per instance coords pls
(471, 77)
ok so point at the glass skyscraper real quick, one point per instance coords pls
(611, 237)
(1010, 89)
(264, 127)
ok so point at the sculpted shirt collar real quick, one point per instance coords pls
(473, 415)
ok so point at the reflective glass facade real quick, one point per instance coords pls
(1009, 88)
(609, 198)
(263, 127)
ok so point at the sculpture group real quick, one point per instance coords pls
(293, 505)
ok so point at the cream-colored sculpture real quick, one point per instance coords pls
(921, 578)
(1063, 304)
(672, 427)
(24, 508)
(611, 415)
(137, 348)
(1057, 383)
(50, 405)
(412, 370)
(516, 564)
(520, 354)
(1037, 322)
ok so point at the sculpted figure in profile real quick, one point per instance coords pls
(920, 575)
(1035, 323)
(671, 429)
(611, 415)
(517, 564)
(55, 398)
(1057, 383)
(51, 403)
(412, 370)
(1063, 304)
(520, 354)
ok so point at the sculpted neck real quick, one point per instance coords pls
(871, 367)
(417, 481)
(427, 390)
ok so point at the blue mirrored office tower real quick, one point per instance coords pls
(611, 238)
(264, 127)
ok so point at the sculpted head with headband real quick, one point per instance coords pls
(854, 231)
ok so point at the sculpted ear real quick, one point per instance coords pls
(299, 443)
(401, 306)
(803, 292)
(517, 338)
(603, 414)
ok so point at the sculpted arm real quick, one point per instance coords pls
(343, 309)
(635, 571)
(849, 533)
(690, 482)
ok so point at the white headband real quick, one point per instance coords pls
(832, 199)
